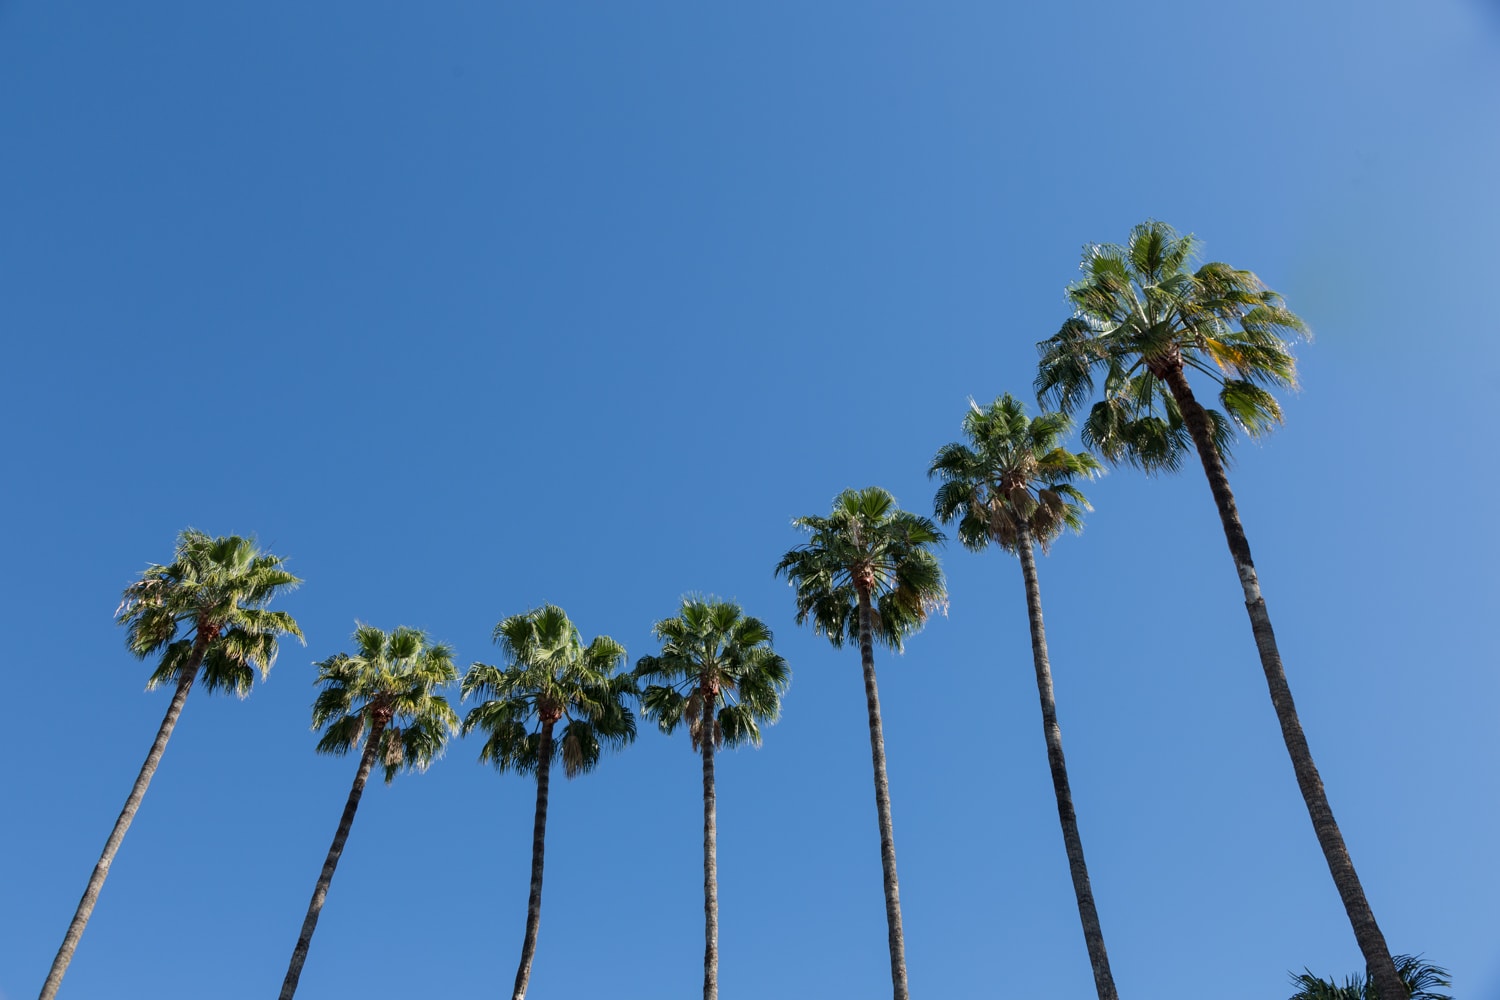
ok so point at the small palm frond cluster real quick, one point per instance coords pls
(1421, 979)
(866, 545)
(387, 686)
(1143, 318)
(1012, 482)
(214, 592)
(716, 671)
(552, 677)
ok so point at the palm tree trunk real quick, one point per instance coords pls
(894, 933)
(1093, 934)
(335, 851)
(86, 905)
(710, 854)
(538, 850)
(1366, 932)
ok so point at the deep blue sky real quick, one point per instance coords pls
(467, 307)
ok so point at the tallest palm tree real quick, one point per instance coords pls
(1146, 323)
(205, 613)
(868, 570)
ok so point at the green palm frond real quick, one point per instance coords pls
(1421, 978)
(552, 677)
(215, 589)
(392, 680)
(1140, 313)
(866, 541)
(342, 735)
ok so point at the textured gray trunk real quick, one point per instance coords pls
(122, 823)
(1093, 934)
(335, 851)
(894, 933)
(710, 854)
(1361, 918)
(538, 850)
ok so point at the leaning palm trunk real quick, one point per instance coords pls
(882, 802)
(1361, 918)
(710, 855)
(538, 850)
(335, 851)
(1093, 934)
(132, 804)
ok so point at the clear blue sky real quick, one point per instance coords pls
(467, 307)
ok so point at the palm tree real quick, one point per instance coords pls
(1146, 321)
(552, 678)
(1012, 485)
(1419, 978)
(867, 570)
(384, 696)
(205, 611)
(722, 677)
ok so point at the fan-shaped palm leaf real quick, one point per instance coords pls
(1420, 978)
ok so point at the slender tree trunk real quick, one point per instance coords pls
(894, 933)
(331, 862)
(86, 905)
(1093, 934)
(1361, 918)
(538, 850)
(710, 854)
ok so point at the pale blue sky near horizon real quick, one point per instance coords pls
(467, 307)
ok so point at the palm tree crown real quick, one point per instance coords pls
(717, 671)
(1421, 979)
(1143, 318)
(1013, 480)
(552, 677)
(866, 544)
(390, 680)
(215, 591)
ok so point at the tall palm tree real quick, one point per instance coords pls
(204, 613)
(718, 672)
(1145, 321)
(383, 696)
(552, 678)
(1419, 977)
(1012, 485)
(867, 570)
